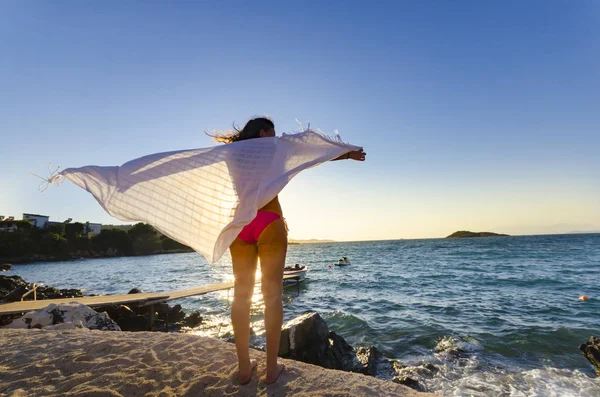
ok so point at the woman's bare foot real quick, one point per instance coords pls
(271, 378)
(245, 376)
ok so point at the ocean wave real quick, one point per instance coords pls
(466, 379)
(345, 323)
(460, 371)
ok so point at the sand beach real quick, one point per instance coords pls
(82, 362)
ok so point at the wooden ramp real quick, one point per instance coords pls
(141, 299)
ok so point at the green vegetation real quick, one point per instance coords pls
(465, 234)
(69, 240)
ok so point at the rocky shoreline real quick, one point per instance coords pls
(129, 318)
(305, 338)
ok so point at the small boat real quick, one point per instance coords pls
(343, 261)
(299, 271)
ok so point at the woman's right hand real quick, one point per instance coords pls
(358, 155)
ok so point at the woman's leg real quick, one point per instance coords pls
(244, 259)
(272, 248)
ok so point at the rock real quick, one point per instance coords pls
(456, 347)
(16, 294)
(9, 284)
(374, 363)
(5, 267)
(65, 326)
(343, 354)
(305, 339)
(127, 319)
(14, 287)
(135, 323)
(117, 312)
(193, 320)
(135, 291)
(176, 314)
(162, 309)
(591, 351)
(415, 376)
(72, 293)
(410, 382)
(44, 292)
(65, 313)
(137, 318)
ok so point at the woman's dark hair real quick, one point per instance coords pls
(250, 130)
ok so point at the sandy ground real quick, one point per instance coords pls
(102, 363)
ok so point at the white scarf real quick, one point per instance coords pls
(204, 197)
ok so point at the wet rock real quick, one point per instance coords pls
(193, 320)
(343, 354)
(415, 376)
(374, 363)
(591, 351)
(176, 314)
(135, 291)
(5, 267)
(410, 382)
(430, 368)
(456, 347)
(65, 313)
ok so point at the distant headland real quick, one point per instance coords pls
(466, 234)
(311, 241)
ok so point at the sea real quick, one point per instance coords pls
(509, 305)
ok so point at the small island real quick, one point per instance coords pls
(466, 234)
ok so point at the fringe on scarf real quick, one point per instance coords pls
(330, 138)
(53, 177)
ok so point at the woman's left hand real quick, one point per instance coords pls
(358, 155)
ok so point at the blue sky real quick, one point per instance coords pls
(474, 115)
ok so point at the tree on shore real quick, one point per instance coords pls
(112, 241)
(144, 239)
(62, 241)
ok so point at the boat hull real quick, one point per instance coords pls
(300, 273)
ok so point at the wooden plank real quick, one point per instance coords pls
(92, 301)
(141, 299)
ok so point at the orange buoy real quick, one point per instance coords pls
(583, 298)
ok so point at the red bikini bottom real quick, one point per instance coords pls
(251, 232)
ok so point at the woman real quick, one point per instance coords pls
(264, 238)
(219, 198)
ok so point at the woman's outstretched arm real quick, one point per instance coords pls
(358, 155)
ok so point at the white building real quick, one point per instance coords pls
(39, 221)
